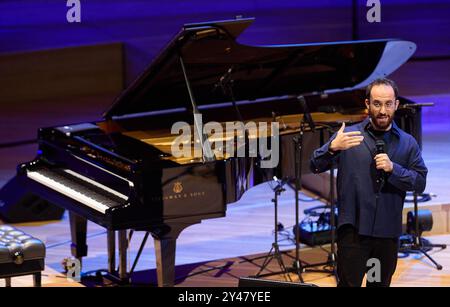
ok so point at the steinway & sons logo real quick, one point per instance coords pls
(177, 187)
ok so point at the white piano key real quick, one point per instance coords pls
(97, 184)
(67, 191)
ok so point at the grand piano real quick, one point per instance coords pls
(119, 172)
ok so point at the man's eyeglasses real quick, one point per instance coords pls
(387, 105)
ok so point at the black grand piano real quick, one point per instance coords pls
(119, 172)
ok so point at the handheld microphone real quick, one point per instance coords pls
(380, 148)
(379, 144)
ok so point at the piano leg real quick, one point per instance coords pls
(165, 245)
(123, 246)
(78, 229)
(111, 234)
(165, 261)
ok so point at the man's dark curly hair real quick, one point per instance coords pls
(382, 81)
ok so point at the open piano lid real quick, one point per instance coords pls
(211, 53)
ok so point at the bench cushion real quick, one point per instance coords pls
(17, 247)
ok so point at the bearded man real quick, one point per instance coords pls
(377, 163)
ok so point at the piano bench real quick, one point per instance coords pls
(20, 254)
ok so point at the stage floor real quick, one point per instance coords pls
(412, 271)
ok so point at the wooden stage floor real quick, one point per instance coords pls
(412, 271)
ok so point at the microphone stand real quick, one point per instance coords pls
(275, 252)
(297, 266)
(332, 256)
(226, 83)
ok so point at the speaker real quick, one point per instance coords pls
(19, 206)
(425, 221)
(252, 282)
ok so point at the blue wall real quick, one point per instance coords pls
(145, 25)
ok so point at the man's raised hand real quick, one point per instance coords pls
(346, 140)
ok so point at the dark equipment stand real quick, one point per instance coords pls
(419, 244)
(274, 252)
(297, 265)
(332, 255)
(332, 258)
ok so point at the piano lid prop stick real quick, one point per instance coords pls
(207, 153)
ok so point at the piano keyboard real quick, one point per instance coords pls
(79, 188)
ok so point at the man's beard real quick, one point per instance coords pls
(381, 122)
